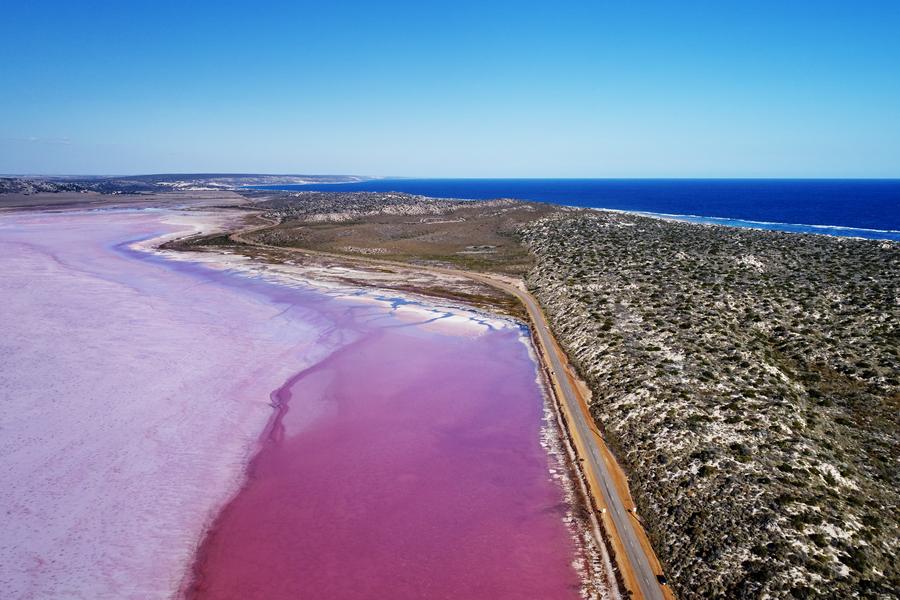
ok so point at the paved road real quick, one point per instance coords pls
(622, 520)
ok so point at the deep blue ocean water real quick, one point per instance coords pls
(853, 207)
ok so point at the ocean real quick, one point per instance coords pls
(867, 208)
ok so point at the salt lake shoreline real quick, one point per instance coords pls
(600, 578)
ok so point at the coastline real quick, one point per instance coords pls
(624, 198)
(796, 228)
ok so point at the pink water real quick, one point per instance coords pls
(403, 460)
(407, 465)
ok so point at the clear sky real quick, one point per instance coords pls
(471, 89)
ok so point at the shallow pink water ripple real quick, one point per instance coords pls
(419, 475)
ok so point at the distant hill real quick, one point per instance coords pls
(19, 185)
(158, 182)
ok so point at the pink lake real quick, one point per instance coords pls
(403, 458)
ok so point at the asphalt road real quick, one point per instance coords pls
(623, 521)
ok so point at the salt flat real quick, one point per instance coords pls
(132, 395)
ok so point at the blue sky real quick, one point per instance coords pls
(513, 89)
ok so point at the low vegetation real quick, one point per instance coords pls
(748, 381)
(19, 185)
(459, 233)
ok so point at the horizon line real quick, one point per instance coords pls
(472, 178)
